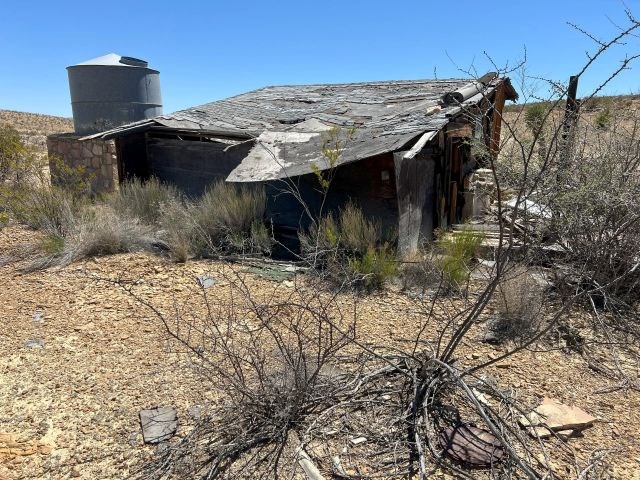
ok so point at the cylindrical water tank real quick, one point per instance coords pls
(113, 90)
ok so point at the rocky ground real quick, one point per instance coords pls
(79, 358)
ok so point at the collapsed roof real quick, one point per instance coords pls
(290, 124)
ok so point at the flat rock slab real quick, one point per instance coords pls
(556, 416)
(34, 343)
(471, 445)
(206, 281)
(158, 424)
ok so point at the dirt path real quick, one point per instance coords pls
(70, 409)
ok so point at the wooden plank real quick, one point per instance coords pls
(415, 186)
(453, 205)
(496, 119)
(419, 145)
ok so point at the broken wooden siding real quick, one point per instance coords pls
(370, 184)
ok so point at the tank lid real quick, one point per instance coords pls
(114, 60)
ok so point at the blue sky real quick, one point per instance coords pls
(206, 50)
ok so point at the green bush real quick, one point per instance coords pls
(349, 250)
(458, 250)
(603, 118)
(19, 163)
(143, 200)
(358, 234)
(534, 116)
(373, 269)
(75, 180)
(52, 244)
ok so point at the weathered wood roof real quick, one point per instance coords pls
(290, 123)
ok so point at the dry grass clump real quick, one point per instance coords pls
(519, 300)
(230, 219)
(95, 232)
(143, 216)
(47, 208)
(143, 199)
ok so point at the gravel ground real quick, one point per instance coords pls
(69, 405)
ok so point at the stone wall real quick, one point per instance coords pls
(97, 156)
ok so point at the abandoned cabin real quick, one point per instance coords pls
(406, 149)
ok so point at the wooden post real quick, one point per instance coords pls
(496, 119)
(570, 117)
(571, 108)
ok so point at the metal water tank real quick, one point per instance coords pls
(112, 90)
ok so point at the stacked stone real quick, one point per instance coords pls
(97, 156)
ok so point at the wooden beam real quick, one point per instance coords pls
(419, 145)
(496, 119)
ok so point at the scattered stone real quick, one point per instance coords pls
(358, 440)
(162, 448)
(38, 317)
(553, 416)
(482, 398)
(195, 412)
(34, 343)
(133, 439)
(158, 424)
(206, 281)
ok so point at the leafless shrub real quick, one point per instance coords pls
(519, 300)
(275, 363)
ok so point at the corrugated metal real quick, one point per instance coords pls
(112, 90)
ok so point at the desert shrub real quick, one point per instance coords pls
(52, 244)
(534, 116)
(458, 250)
(179, 230)
(603, 118)
(18, 162)
(357, 233)
(519, 299)
(373, 269)
(143, 200)
(73, 179)
(230, 219)
(46, 208)
(103, 232)
(421, 270)
(349, 249)
(351, 233)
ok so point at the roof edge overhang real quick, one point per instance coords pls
(153, 125)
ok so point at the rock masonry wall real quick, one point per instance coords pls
(97, 156)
